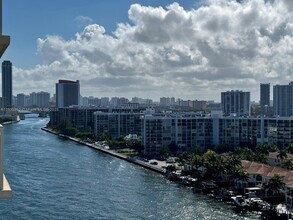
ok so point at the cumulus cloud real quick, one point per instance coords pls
(171, 51)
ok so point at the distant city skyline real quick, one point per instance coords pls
(150, 49)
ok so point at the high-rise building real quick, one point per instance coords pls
(264, 98)
(165, 101)
(236, 103)
(40, 99)
(67, 93)
(7, 83)
(20, 100)
(283, 100)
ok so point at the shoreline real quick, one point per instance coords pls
(111, 153)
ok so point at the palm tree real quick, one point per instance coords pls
(275, 184)
(263, 148)
(196, 161)
(289, 149)
(287, 164)
(214, 164)
(233, 164)
(241, 175)
(282, 154)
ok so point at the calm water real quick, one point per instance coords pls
(52, 178)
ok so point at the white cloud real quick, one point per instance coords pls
(82, 21)
(171, 51)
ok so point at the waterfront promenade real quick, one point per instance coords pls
(157, 168)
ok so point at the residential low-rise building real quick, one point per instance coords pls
(275, 159)
(260, 174)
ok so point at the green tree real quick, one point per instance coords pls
(214, 165)
(275, 184)
(104, 136)
(287, 164)
(184, 157)
(263, 148)
(233, 164)
(289, 149)
(71, 131)
(241, 175)
(222, 148)
(196, 161)
(65, 127)
(173, 147)
(282, 154)
(196, 150)
(64, 124)
(165, 152)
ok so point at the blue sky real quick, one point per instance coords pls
(151, 48)
(27, 20)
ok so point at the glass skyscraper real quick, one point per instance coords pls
(265, 98)
(7, 84)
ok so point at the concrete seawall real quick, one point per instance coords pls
(112, 153)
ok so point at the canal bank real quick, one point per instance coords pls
(138, 162)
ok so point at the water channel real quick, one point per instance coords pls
(53, 178)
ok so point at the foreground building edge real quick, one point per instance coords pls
(5, 190)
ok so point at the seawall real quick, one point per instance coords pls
(112, 153)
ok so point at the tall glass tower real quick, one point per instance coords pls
(265, 98)
(7, 84)
(67, 93)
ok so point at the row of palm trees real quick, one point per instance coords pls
(223, 169)
(213, 166)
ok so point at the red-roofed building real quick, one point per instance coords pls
(275, 160)
(261, 173)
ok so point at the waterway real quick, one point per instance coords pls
(53, 178)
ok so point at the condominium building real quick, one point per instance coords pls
(82, 118)
(165, 101)
(185, 130)
(188, 130)
(67, 93)
(283, 100)
(235, 103)
(117, 124)
(40, 99)
(20, 100)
